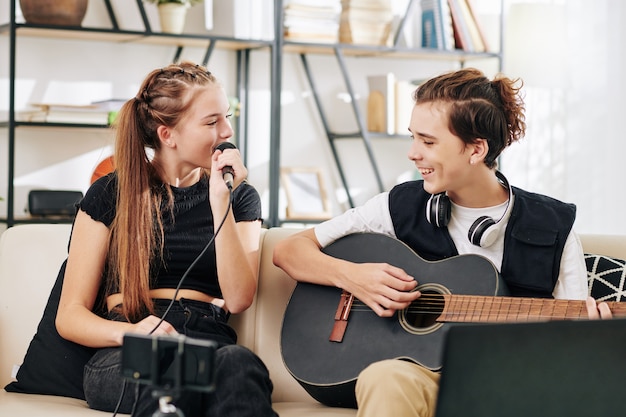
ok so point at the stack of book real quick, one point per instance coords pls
(315, 21)
(97, 113)
(451, 24)
(365, 22)
(468, 32)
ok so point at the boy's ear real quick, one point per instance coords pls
(480, 148)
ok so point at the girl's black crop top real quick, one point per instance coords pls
(186, 237)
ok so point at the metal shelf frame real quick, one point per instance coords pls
(241, 47)
(341, 52)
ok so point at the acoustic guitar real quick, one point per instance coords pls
(328, 337)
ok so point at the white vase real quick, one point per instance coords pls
(172, 17)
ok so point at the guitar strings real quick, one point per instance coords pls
(500, 308)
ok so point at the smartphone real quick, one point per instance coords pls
(169, 362)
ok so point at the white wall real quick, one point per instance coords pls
(574, 68)
(572, 149)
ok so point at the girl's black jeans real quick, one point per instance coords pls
(242, 383)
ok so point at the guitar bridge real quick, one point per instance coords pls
(341, 317)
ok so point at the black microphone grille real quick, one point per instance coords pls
(225, 145)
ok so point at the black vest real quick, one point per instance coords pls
(533, 243)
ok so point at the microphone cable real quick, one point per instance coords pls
(193, 264)
(169, 307)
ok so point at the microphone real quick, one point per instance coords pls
(227, 171)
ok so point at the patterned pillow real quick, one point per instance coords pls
(606, 277)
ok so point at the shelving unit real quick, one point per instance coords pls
(278, 47)
(114, 34)
(342, 52)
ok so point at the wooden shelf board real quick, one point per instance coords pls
(367, 51)
(38, 220)
(126, 36)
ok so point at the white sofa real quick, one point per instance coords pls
(30, 256)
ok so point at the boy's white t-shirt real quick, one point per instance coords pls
(374, 216)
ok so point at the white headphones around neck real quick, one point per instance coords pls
(483, 232)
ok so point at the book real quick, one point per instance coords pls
(403, 105)
(446, 22)
(430, 39)
(478, 45)
(72, 116)
(299, 35)
(367, 4)
(437, 31)
(462, 38)
(366, 15)
(479, 26)
(112, 104)
(31, 115)
(313, 22)
(66, 113)
(241, 19)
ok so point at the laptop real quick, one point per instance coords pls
(548, 369)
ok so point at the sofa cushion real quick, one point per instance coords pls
(606, 276)
(52, 365)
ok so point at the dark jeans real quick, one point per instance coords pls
(243, 386)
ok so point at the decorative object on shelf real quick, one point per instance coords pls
(389, 104)
(366, 22)
(54, 12)
(172, 13)
(105, 167)
(381, 111)
(53, 203)
(306, 193)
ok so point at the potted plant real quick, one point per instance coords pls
(172, 13)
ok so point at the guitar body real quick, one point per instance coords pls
(328, 370)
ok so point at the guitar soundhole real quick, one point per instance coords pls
(421, 316)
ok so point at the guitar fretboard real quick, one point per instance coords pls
(480, 309)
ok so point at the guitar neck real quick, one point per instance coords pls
(480, 309)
